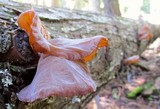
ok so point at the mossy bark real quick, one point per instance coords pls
(121, 32)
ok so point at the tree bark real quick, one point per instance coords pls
(111, 8)
(122, 35)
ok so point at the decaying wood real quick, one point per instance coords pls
(122, 34)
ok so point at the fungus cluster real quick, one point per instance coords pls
(62, 69)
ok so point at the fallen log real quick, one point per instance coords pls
(19, 62)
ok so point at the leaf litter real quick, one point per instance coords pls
(141, 81)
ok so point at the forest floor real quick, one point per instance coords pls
(147, 71)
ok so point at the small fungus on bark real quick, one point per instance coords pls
(62, 69)
(144, 33)
(132, 60)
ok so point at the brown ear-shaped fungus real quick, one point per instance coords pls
(61, 70)
(58, 77)
(145, 33)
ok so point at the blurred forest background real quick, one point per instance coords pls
(148, 10)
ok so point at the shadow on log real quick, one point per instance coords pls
(16, 74)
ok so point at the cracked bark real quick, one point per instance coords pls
(122, 34)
